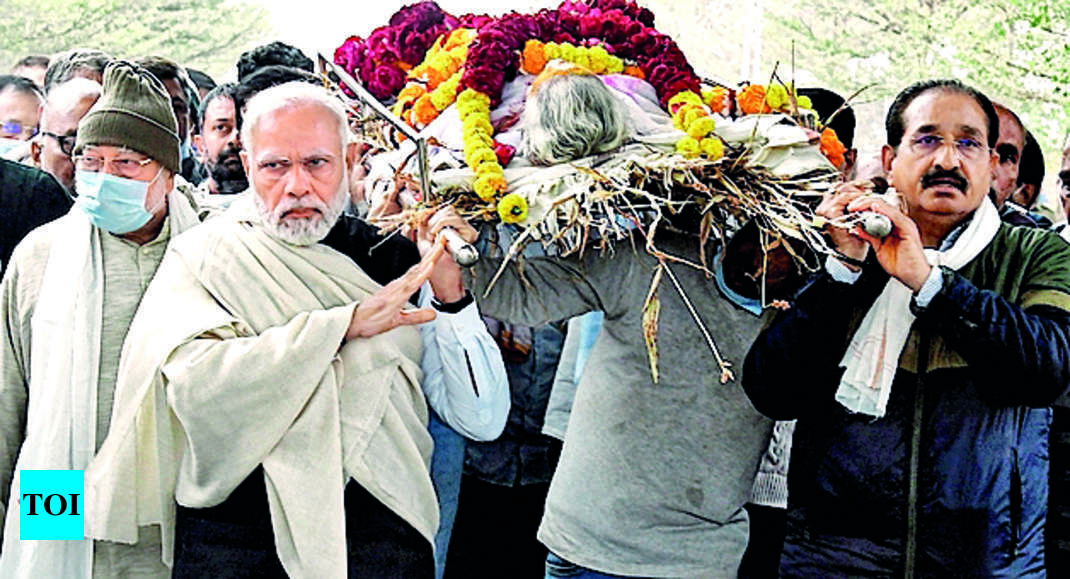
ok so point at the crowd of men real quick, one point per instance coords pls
(258, 383)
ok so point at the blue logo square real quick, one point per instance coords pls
(52, 505)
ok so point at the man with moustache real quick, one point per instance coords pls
(218, 144)
(294, 418)
(921, 366)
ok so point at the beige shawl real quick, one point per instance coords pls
(242, 334)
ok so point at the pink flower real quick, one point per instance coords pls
(387, 81)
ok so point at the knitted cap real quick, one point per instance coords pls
(134, 111)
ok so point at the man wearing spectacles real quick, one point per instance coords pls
(65, 313)
(931, 357)
(20, 111)
(53, 147)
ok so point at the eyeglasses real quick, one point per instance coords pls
(15, 129)
(127, 167)
(65, 142)
(965, 147)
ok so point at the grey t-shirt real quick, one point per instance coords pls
(652, 477)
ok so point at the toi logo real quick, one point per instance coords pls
(51, 505)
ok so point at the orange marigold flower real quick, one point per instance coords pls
(634, 71)
(716, 98)
(424, 111)
(411, 92)
(534, 58)
(832, 148)
(752, 100)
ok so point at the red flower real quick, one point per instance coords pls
(504, 153)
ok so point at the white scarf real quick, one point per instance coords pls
(872, 357)
(61, 420)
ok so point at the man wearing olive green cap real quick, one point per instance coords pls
(64, 314)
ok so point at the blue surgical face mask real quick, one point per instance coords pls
(7, 145)
(114, 204)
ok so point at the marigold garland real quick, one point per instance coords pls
(474, 108)
(595, 58)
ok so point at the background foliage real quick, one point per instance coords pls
(1016, 51)
(205, 34)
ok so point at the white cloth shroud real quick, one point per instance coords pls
(872, 357)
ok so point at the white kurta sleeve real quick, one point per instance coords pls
(464, 376)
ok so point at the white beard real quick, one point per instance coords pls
(302, 230)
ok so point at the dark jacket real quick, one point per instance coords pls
(28, 198)
(983, 362)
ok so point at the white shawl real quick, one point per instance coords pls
(872, 357)
(61, 422)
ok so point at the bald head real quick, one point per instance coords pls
(67, 103)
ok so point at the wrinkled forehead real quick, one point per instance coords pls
(299, 127)
(942, 110)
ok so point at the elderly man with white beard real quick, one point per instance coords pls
(272, 386)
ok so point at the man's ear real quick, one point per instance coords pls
(198, 146)
(887, 157)
(244, 155)
(849, 160)
(353, 155)
(35, 153)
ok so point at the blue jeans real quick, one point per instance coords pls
(556, 567)
(447, 461)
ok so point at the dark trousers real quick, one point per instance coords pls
(494, 533)
(235, 539)
(768, 525)
(1057, 534)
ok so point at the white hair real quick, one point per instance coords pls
(571, 116)
(288, 96)
(302, 230)
(68, 94)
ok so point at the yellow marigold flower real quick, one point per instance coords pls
(700, 128)
(688, 147)
(712, 148)
(568, 52)
(679, 118)
(490, 168)
(615, 66)
(474, 96)
(552, 50)
(487, 187)
(446, 93)
(513, 208)
(459, 37)
(684, 97)
(480, 154)
(477, 124)
(692, 115)
(776, 96)
(804, 102)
